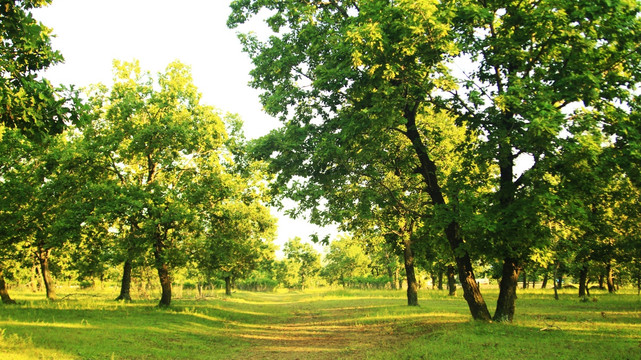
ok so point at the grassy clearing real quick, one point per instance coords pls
(330, 324)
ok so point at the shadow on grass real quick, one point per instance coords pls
(317, 325)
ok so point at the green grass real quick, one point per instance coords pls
(317, 324)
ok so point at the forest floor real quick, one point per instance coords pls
(318, 324)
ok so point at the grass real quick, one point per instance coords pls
(318, 324)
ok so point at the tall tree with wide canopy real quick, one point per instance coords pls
(161, 149)
(344, 75)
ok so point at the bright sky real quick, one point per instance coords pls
(92, 33)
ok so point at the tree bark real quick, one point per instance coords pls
(560, 278)
(440, 279)
(451, 281)
(506, 303)
(610, 277)
(583, 276)
(433, 277)
(36, 279)
(163, 272)
(601, 281)
(4, 291)
(228, 285)
(525, 283)
(412, 285)
(471, 290)
(555, 277)
(428, 171)
(544, 283)
(43, 258)
(125, 284)
(390, 273)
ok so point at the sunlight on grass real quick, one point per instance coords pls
(329, 324)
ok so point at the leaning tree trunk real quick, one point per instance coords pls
(412, 285)
(428, 171)
(228, 285)
(4, 291)
(506, 303)
(163, 273)
(451, 281)
(471, 290)
(583, 277)
(544, 283)
(125, 285)
(610, 277)
(43, 259)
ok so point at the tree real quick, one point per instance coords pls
(371, 67)
(304, 258)
(345, 259)
(29, 102)
(160, 148)
(44, 197)
(350, 73)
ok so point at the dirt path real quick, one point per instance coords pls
(310, 334)
(338, 330)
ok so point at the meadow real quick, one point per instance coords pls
(318, 324)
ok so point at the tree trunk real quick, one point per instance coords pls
(601, 281)
(583, 276)
(36, 279)
(560, 279)
(428, 171)
(544, 283)
(609, 277)
(228, 285)
(555, 277)
(4, 291)
(200, 290)
(43, 258)
(506, 303)
(433, 276)
(412, 285)
(525, 283)
(451, 281)
(163, 273)
(125, 284)
(390, 274)
(471, 290)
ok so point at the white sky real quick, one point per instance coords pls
(92, 33)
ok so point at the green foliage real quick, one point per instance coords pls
(28, 102)
(368, 282)
(301, 265)
(346, 259)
